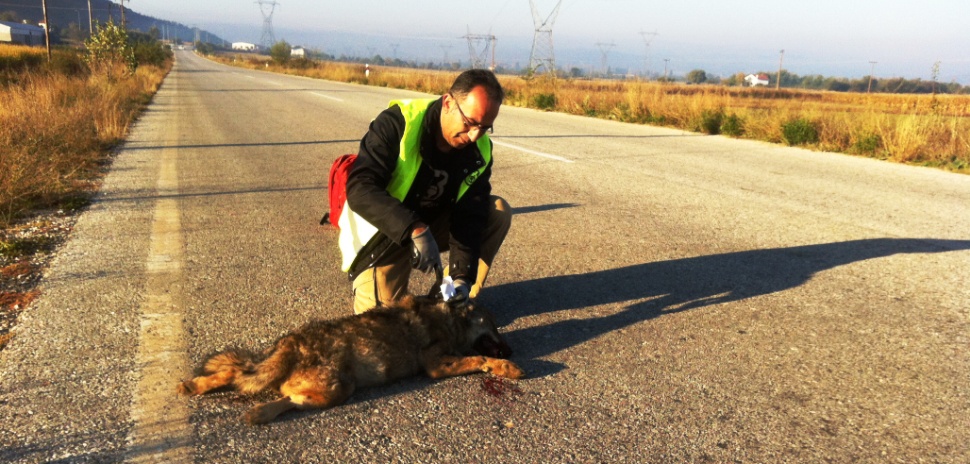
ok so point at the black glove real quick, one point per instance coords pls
(424, 252)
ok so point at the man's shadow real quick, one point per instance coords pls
(653, 289)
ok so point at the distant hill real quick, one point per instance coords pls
(61, 13)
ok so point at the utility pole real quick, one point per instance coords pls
(47, 32)
(124, 25)
(872, 68)
(90, 19)
(780, 60)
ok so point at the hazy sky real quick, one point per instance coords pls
(829, 37)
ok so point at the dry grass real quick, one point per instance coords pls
(16, 60)
(920, 129)
(931, 130)
(57, 128)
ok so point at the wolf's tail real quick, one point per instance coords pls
(253, 377)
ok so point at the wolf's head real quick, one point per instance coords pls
(480, 333)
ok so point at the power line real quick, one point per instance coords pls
(40, 7)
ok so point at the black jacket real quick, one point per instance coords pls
(432, 195)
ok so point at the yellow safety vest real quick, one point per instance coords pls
(355, 231)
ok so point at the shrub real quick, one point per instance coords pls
(148, 50)
(280, 52)
(867, 143)
(799, 132)
(697, 76)
(204, 48)
(109, 52)
(544, 101)
(732, 125)
(710, 122)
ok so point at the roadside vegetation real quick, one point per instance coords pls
(931, 129)
(59, 122)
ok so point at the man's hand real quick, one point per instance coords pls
(424, 250)
(462, 290)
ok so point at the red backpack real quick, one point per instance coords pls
(337, 188)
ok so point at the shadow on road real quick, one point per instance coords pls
(183, 195)
(596, 136)
(653, 289)
(541, 208)
(129, 147)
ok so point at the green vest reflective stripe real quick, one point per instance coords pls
(355, 231)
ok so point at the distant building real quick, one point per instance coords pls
(298, 51)
(755, 80)
(244, 46)
(24, 34)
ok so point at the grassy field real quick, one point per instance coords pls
(58, 123)
(930, 130)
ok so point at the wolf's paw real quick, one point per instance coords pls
(505, 368)
(258, 415)
(187, 388)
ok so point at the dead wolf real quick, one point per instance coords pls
(322, 363)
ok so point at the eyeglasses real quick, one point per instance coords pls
(469, 124)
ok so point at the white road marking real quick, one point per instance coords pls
(327, 96)
(161, 430)
(532, 152)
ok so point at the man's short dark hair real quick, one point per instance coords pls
(472, 78)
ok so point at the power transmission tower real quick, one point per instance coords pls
(647, 39)
(543, 55)
(477, 59)
(394, 50)
(267, 7)
(605, 50)
(445, 48)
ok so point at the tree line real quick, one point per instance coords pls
(840, 84)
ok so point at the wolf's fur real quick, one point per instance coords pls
(322, 363)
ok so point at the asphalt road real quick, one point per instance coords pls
(673, 297)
